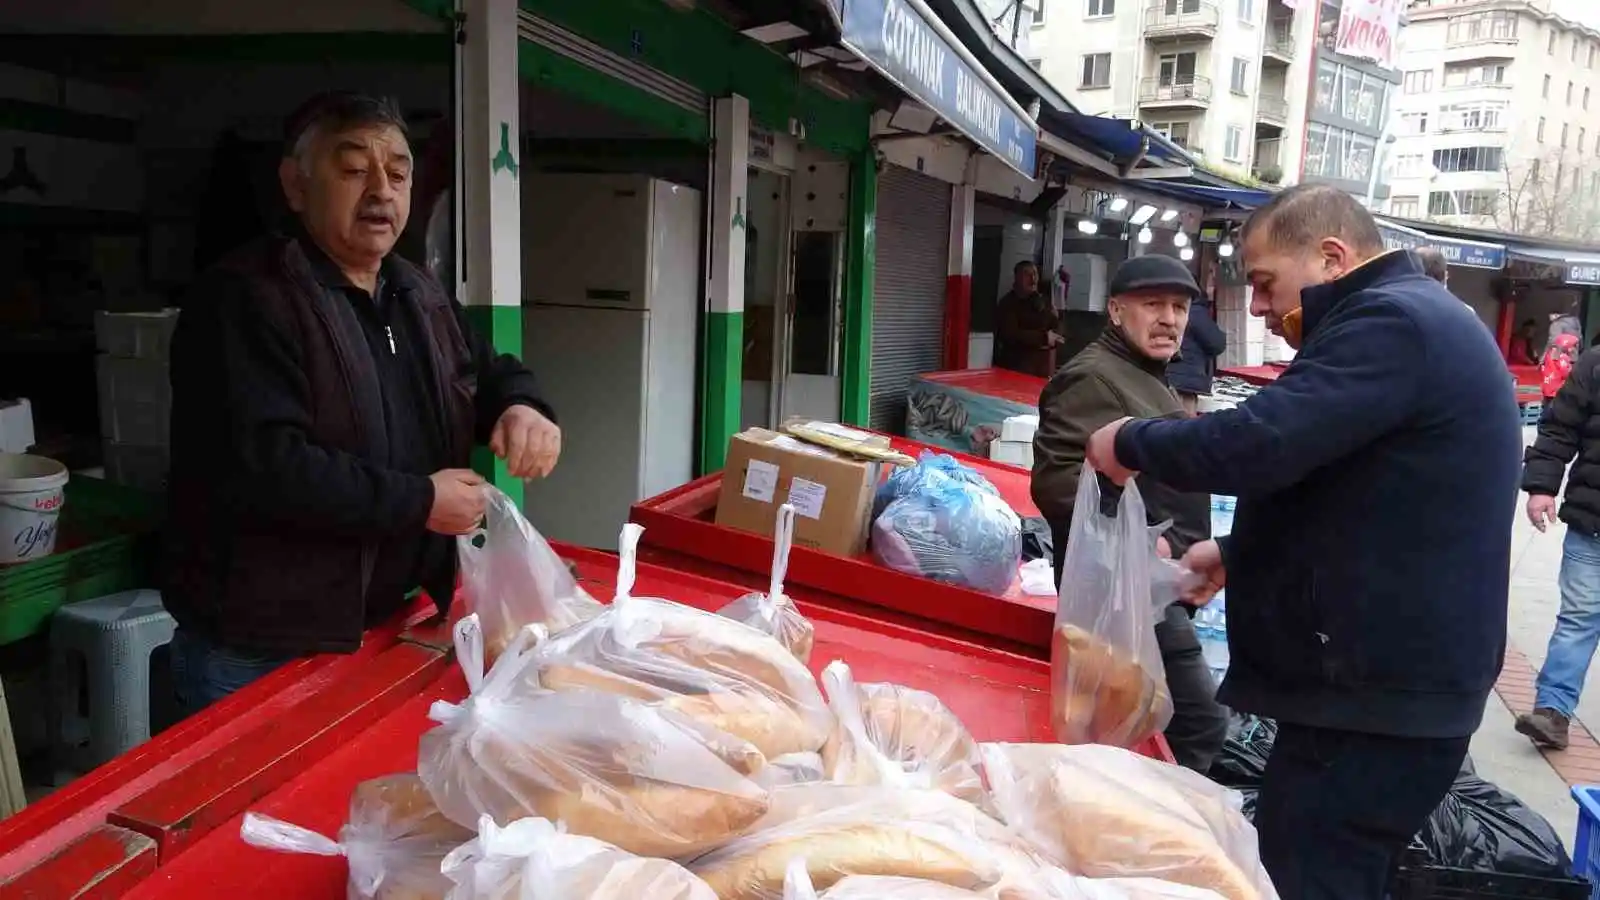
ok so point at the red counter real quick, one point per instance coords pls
(999, 696)
(1003, 383)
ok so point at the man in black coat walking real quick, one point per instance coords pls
(1195, 366)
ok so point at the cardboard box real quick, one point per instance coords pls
(831, 493)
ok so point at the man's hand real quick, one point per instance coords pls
(1205, 561)
(1541, 510)
(528, 442)
(1102, 453)
(1053, 339)
(1163, 549)
(458, 501)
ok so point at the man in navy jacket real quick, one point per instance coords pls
(1368, 565)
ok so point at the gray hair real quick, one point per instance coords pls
(332, 113)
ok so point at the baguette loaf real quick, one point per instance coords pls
(1101, 695)
(912, 729)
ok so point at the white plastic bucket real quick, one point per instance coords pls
(31, 497)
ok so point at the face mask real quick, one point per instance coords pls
(1292, 326)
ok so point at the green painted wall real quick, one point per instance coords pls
(721, 386)
(503, 326)
(861, 255)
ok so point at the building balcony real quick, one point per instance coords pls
(1272, 110)
(1279, 45)
(1180, 19)
(1186, 92)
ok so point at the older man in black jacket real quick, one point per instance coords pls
(326, 398)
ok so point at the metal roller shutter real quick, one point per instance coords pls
(913, 237)
(582, 50)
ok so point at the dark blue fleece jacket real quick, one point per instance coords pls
(1377, 480)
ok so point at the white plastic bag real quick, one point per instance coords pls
(791, 769)
(394, 842)
(531, 859)
(511, 578)
(721, 673)
(797, 886)
(1104, 812)
(634, 774)
(892, 735)
(773, 612)
(1107, 683)
(841, 831)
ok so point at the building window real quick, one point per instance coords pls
(1174, 7)
(1096, 70)
(1585, 98)
(1572, 52)
(1240, 82)
(1582, 133)
(1462, 203)
(1480, 73)
(1570, 88)
(1469, 159)
(1418, 81)
(1338, 153)
(1038, 15)
(1102, 8)
(1563, 135)
(1247, 10)
(1546, 90)
(1591, 55)
(1552, 48)
(1484, 26)
(1486, 115)
(1410, 165)
(1176, 132)
(1233, 144)
(1539, 135)
(1413, 123)
(1176, 68)
(1404, 207)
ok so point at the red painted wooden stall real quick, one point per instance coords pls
(303, 766)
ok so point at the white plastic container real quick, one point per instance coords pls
(32, 493)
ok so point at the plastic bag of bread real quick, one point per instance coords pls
(394, 842)
(1104, 812)
(797, 886)
(1107, 684)
(531, 859)
(791, 769)
(511, 578)
(841, 831)
(773, 612)
(714, 670)
(893, 735)
(637, 775)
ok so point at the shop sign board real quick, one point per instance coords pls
(1583, 273)
(1368, 29)
(1470, 254)
(896, 38)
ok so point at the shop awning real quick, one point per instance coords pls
(1208, 196)
(1576, 267)
(907, 44)
(1457, 252)
(1122, 140)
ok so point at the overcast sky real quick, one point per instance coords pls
(1585, 11)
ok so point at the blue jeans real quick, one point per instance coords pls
(203, 672)
(1577, 631)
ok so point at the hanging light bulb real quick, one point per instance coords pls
(1186, 254)
(1027, 226)
(1168, 215)
(1118, 204)
(1145, 235)
(1225, 249)
(1088, 226)
(1180, 240)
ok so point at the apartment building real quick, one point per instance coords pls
(1497, 122)
(1227, 79)
(1347, 115)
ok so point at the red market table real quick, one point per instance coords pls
(1257, 375)
(999, 696)
(682, 521)
(964, 410)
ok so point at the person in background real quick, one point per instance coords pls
(1561, 351)
(1367, 566)
(1194, 369)
(326, 397)
(1566, 432)
(1434, 264)
(1524, 347)
(1027, 328)
(1123, 373)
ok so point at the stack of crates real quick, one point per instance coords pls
(135, 395)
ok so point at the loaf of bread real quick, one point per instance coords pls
(881, 887)
(567, 866)
(777, 616)
(888, 733)
(636, 775)
(724, 674)
(1100, 694)
(1104, 812)
(841, 831)
(395, 840)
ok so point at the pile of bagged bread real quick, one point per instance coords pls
(648, 750)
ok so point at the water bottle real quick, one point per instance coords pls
(1211, 627)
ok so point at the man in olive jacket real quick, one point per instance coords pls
(1123, 373)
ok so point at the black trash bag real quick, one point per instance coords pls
(1483, 828)
(1036, 540)
(1244, 757)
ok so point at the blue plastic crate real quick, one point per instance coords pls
(1531, 412)
(1586, 846)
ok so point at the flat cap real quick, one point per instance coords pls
(1153, 272)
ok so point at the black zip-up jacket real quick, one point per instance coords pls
(1570, 429)
(1195, 366)
(307, 416)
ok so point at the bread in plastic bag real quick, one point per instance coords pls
(773, 612)
(1105, 812)
(1107, 682)
(894, 735)
(394, 841)
(719, 672)
(797, 886)
(841, 831)
(791, 769)
(512, 578)
(532, 859)
(637, 775)
(944, 521)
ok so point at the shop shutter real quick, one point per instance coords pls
(653, 81)
(913, 237)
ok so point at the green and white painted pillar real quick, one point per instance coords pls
(722, 355)
(487, 170)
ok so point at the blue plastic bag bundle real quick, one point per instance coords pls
(942, 520)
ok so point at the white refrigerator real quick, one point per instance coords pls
(610, 280)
